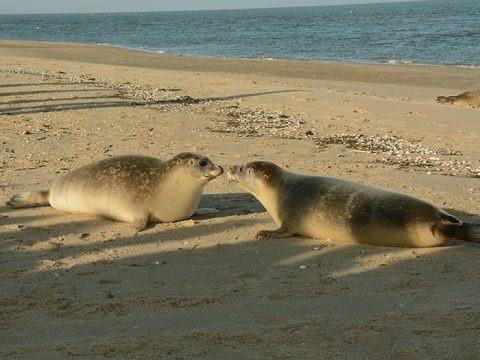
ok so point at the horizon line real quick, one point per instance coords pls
(93, 13)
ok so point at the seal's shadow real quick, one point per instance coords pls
(229, 204)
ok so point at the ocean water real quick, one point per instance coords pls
(423, 32)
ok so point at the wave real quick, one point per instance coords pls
(265, 58)
(401, 62)
(141, 48)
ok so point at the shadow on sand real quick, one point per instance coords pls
(65, 103)
(209, 290)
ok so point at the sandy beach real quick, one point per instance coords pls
(87, 288)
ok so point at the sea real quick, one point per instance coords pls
(434, 32)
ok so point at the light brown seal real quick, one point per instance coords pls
(325, 207)
(467, 98)
(131, 188)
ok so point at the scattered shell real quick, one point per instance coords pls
(402, 152)
(392, 145)
(127, 90)
(257, 122)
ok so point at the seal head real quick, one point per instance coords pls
(256, 175)
(196, 166)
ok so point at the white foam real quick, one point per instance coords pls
(395, 61)
(133, 48)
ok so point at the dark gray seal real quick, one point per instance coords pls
(131, 188)
(325, 207)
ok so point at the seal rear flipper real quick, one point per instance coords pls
(465, 232)
(473, 233)
(29, 198)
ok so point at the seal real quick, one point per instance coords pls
(326, 207)
(130, 188)
(468, 98)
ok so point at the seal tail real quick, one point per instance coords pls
(451, 228)
(28, 199)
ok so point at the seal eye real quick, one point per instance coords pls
(203, 162)
(192, 162)
(249, 171)
(241, 168)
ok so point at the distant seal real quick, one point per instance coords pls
(325, 207)
(131, 188)
(467, 98)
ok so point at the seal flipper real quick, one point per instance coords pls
(282, 232)
(465, 232)
(473, 233)
(29, 198)
(452, 228)
(140, 223)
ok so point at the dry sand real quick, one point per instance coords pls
(86, 288)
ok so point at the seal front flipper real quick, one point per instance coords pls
(140, 224)
(281, 232)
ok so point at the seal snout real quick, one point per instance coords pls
(215, 171)
(219, 170)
